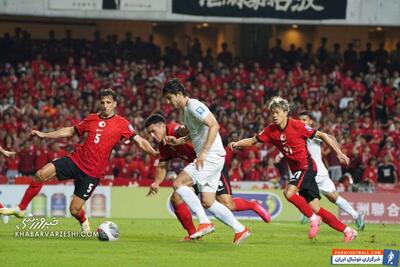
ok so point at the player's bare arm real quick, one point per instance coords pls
(333, 144)
(213, 128)
(6, 152)
(63, 132)
(144, 145)
(172, 140)
(161, 173)
(334, 139)
(243, 143)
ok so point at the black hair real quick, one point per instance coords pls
(306, 113)
(174, 87)
(153, 119)
(108, 92)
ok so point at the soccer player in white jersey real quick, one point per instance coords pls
(324, 182)
(206, 169)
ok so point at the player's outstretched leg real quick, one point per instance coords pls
(241, 204)
(330, 219)
(44, 174)
(299, 201)
(344, 205)
(222, 213)
(183, 214)
(181, 184)
(77, 210)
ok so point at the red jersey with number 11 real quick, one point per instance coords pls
(291, 141)
(92, 157)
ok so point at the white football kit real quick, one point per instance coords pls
(324, 182)
(208, 177)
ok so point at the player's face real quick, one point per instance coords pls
(279, 116)
(306, 119)
(174, 100)
(107, 106)
(157, 131)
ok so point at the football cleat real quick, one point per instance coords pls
(202, 230)
(314, 228)
(16, 211)
(241, 236)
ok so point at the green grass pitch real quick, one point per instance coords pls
(156, 243)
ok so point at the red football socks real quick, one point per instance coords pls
(33, 189)
(331, 220)
(242, 204)
(184, 216)
(301, 204)
(81, 216)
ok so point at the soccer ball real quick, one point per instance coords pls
(108, 231)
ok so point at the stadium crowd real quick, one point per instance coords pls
(355, 96)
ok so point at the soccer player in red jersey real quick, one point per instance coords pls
(6, 153)
(290, 137)
(158, 129)
(88, 163)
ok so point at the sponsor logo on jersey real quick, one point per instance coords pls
(282, 137)
(200, 110)
(102, 124)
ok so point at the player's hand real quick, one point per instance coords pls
(170, 140)
(8, 153)
(38, 133)
(199, 161)
(232, 145)
(343, 159)
(153, 189)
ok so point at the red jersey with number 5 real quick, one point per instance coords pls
(168, 152)
(291, 141)
(92, 157)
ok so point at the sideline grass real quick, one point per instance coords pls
(156, 243)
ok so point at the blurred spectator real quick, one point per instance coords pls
(370, 174)
(387, 171)
(225, 56)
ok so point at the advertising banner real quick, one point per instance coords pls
(54, 200)
(75, 4)
(281, 9)
(377, 207)
(144, 5)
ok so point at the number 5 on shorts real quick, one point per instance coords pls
(90, 187)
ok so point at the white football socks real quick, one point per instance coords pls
(193, 202)
(344, 205)
(223, 214)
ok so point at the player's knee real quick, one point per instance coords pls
(315, 209)
(288, 194)
(74, 210)
(38, 176)
(332, 197)
(207, 203)
(176, 199)
(176, 184)
(229, 204)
